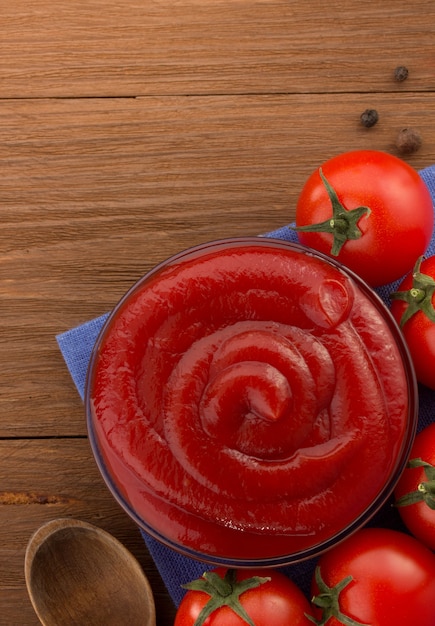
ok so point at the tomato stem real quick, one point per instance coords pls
(224, 591)
(329, 601)
(419, 297)
(343, 224)
(425, 491)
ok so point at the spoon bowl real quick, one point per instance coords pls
(77, 573)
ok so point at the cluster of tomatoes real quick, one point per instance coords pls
(377, 577)
(374, 214)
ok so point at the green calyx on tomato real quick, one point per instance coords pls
(224, 592)
(343, 224)
(419, 297)
(328, 600)
(425, 490)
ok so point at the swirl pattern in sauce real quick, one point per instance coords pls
(248, 401)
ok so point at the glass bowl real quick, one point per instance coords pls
(250, 402)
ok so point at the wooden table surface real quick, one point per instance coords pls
(130, 131)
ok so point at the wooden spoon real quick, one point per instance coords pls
(77, 573)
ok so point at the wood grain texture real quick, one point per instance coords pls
(76, 573)
(131, 48)
(130, 131)
(96, 192)
(49, 479)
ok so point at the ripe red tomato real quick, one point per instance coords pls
(415, 491)
(273, 602)
(413, 307)
(386, 240)
(384, 578)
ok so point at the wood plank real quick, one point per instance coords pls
(44, 480)
(96, 192)
(109, 48)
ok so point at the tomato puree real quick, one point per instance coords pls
(249, 400)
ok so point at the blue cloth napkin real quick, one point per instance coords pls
(76, 346)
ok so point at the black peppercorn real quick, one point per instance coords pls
(369, 118)
(408, 141)
(401, 73)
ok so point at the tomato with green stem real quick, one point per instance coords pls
(376, 577)
(415, 491)
(368, 209)
(230, 597)
(413, 307)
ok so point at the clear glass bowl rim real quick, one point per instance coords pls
(357, 523)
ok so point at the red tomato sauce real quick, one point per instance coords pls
(248, 400)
